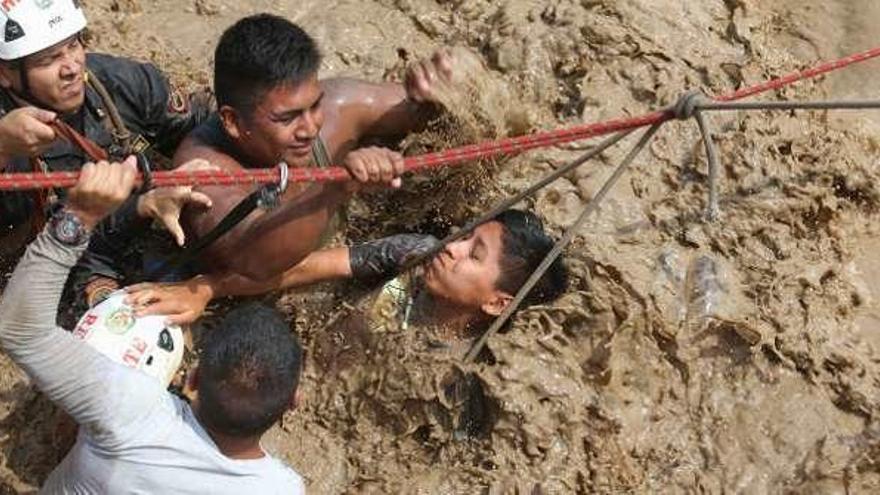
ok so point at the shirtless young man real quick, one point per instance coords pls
(272, 107)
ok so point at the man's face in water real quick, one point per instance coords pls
(284, 124)
(466, 271)
(55, 76)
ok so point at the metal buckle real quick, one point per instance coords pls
(270, 194)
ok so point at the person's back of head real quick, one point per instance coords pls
(248, 372)
(525, 244)
(257, 54)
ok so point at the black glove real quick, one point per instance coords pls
(382, 259)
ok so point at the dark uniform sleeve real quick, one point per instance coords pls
(148, 103)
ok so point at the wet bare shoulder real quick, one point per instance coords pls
(194, 148)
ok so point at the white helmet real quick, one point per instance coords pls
(145, 343)
(33, 25)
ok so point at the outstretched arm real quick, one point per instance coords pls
(387, 110)
(369, 262)
(370, 110)
(184, 302)
(101, 395)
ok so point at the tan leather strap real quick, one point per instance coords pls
(120, 132)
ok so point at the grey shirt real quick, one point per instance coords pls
(135, 437)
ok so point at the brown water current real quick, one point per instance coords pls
(740, 356)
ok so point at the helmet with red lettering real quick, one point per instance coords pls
(34, 25)
(144, 343)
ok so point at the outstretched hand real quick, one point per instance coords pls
(166, 203)
(426, 77)
(381, 259)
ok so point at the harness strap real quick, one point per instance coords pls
(320, 156)
(267, 197)
(257, 199)
(117, 128)
(244, 208)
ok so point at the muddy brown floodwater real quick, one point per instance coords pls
(739, 356)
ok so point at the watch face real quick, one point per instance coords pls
(67, 229)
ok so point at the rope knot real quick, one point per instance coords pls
(687, 105)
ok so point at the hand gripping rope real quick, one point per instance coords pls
(508, 146)
(691, 105)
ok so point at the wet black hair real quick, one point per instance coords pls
(257, 54)
(248, 371)
(524, 244)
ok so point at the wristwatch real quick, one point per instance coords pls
(67, 228)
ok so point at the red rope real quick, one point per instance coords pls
(474, 152)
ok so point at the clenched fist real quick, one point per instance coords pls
(101, 188)
(25, 132)
(375, 166)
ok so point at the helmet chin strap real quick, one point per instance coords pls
(25, 83)
(25, 94)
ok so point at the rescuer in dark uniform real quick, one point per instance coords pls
(123, 106)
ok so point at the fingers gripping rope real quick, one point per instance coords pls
(471, 153)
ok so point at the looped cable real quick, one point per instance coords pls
(687, 106)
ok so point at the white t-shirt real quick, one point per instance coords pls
(135, 437)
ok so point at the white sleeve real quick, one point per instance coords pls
(106, 398)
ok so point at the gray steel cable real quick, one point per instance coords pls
(554, 253)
